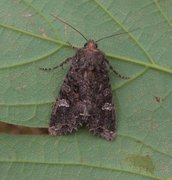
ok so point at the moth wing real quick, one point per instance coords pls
(102, 121)
(64, 116)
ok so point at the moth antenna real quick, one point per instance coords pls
(69, 26)
(116, 34)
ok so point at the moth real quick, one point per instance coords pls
(85, 97)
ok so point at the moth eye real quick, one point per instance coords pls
(96, 45)
(85, 44)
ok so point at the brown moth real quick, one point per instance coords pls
(85, 97)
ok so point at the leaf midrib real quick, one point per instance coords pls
(84, 165)
(64, 44)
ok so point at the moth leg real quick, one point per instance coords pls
(115, 72)
(60, 65)
(72, 46)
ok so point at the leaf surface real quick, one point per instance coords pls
(31, 38)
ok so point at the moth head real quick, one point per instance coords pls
(91, 45)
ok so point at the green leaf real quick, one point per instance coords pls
(31, 38)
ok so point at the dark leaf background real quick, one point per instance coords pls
(30, 38)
